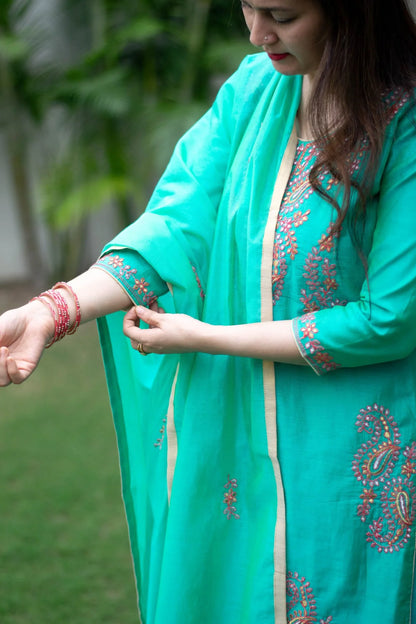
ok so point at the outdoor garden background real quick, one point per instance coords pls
(94, 95)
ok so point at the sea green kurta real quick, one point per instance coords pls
(261, 492)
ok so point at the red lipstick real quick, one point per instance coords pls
(277, 57)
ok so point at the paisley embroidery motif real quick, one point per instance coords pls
(375, 460)
(386, 475)
(230, 499)
(301, 603)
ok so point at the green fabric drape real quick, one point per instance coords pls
(181, 538)
(209, 443)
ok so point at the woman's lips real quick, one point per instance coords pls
(277, 57)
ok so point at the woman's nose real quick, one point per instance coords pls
(260, 30)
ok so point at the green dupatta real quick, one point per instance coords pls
(197, 433)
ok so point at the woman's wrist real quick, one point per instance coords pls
(60, 301)
(99, 294)
(40, 314)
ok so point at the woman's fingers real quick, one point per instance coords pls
(148, 316)
(18, 375)
(10, 371)
(4, 375)
(166, 333)
(130, 319)
(13, 371)
(157, 337)
(131, 326)
(134, 316)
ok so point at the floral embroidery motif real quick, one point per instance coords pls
(141, 286)
(159, 441)
(198, 281)
(320, 285)
(291, 215)
(230, 498)
(118, 263)
(386, 474)
(319, 269)
(311, 347)
(320, 289)
(394, 101)
(285, 244)
(122, 270)
(409, 467)
(301, 603)
(115, 261)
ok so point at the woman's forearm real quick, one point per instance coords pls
(98, 294)
(272, 340)
(180, 333)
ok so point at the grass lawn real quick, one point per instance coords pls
(64, 556)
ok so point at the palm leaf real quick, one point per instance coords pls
(106, 93)
(85, 199)
(13, 48)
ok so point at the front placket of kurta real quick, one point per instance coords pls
(269, 385)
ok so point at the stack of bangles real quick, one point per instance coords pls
(59, 309)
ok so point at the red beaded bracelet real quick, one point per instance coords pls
(58, 307)
(71, 291)
(54, 315)
(63, 312)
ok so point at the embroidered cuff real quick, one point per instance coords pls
(306, 335)
(140, 281)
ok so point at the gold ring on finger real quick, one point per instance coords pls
(140, 349)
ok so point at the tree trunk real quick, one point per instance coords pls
(16, 143)
(197, 11)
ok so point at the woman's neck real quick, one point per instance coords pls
(302, 124)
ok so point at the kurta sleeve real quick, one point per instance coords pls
(381, 325)
(176, 232)
(137, 278)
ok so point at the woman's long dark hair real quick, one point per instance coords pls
(370, 50)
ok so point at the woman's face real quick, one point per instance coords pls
(292, 32)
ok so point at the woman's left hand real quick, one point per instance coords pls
(180, 333)
(167, 333)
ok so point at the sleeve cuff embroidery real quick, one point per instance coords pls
(310, 347)
(143, 290)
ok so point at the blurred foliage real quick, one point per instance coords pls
(108, 86)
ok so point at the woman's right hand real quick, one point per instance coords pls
(23, 335)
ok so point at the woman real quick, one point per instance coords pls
(268, 450)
